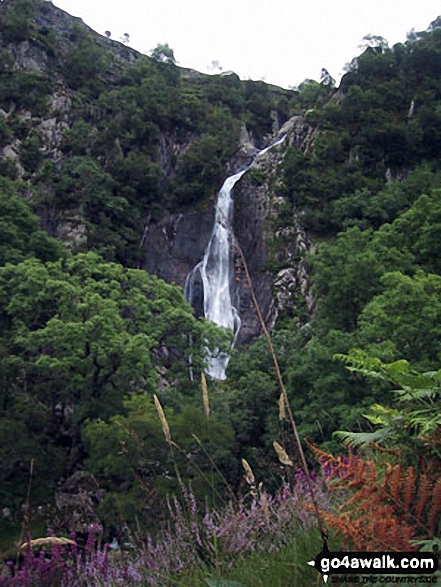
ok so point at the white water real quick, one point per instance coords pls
(216, 272)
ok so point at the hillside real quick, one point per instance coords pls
(153, 136)
(111, 162)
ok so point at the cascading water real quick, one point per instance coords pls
(214, 274)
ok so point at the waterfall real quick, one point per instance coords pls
(213, 276)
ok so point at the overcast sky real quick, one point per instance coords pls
(280, 41)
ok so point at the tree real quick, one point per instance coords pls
(405, 319)
(79, 335)
(20, 233)
(130, 451)
(374, 41)
(418, 230)
(346, 276)
(163, 53)
(326, 79)
(85, 60)
(94, 329)
(17, 24)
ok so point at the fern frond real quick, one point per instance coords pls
(409, 488)
(396, 482)
(425, 421)
(363, 439)
(416, 394)
(388, 505)
(433, 517)
(423, 495)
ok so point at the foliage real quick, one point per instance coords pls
(275, 533)
(83, 184)
(383, 121)
(20, 232)
(405, 319)
(411, 427)
(17, 23)
(163, 53)
(85, 342)
(78, 335)
(85, 61)
(389, 506)
(130, 450)
(395, 497)
(29, 90)
(155, 136)
(199, 170)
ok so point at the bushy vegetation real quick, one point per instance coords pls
(86, 339)
(381, 124)
(374, 269)
(144, 137)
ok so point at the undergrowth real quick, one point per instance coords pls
(259, 538)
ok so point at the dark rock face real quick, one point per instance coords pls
(251, 209)
(175, 244)
(253, 212)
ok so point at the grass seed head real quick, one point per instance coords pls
(205, 399)
(46, 542)
(164, 423)
(281, 453)
(282, 413)
(249, 475)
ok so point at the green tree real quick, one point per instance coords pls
(80, 334)
(85, 61)
(17, 23)
(405, 319)
(163, 53)
(130, 451)
(347, 273)
(20, 234)
(419, 231)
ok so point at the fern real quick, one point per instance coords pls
(416, 419)
(388, 506)
(363, 439)
(392, 504)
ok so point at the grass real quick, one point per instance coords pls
(286, 567)
(258, 541)
(10, 532)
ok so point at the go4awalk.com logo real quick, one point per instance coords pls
(422, 564)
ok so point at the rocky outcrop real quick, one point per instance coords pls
(76, 503)
(173, 245)
(274, 255)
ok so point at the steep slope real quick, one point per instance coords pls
(122, 154)
(148, 135)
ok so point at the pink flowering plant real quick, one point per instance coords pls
(258, 522)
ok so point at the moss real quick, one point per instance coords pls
(257, 176)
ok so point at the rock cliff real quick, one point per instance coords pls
(86, 174)
(275, 255)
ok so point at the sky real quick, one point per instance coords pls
(282, 42)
